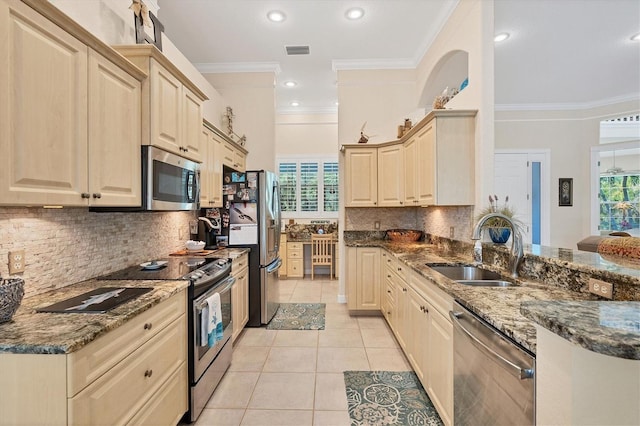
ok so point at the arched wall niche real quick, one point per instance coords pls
(450, 71)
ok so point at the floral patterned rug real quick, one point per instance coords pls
(388, 398)
(298, 316)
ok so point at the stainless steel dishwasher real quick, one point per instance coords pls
(493, 381)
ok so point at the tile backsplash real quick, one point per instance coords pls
(65, 246)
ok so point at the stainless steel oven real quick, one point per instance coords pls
(209, 362)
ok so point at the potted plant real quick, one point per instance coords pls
(499, 228)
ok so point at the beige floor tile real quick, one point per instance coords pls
(378, 338)
(331, 418)
(284, 391)
(248, 358)
(296, 338)
(330, 392)
(220, 417)
(340, 320)
(256, 337)
(292, 360)
(372, 322)
(337, 360)
(234, 390)
(345, 338)
(388, 359)
(278, 417)
(329, 297)
(305, 298)
(337, 307)
(284, 298)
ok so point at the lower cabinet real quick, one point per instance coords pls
(240, 294)
(295, 260)
(120, 378)
(363, 278)
(417, 312)
(282, 272)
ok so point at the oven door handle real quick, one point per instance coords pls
(521, 373)
(228, 281)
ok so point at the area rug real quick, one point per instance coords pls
(298, 316)
(388, 398)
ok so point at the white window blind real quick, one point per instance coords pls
(309, 187)
(330, 170)
(288, 173)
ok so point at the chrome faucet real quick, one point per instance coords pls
(517, 252)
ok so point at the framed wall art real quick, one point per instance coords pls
(565, 192)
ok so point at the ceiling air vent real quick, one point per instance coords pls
(297, 50)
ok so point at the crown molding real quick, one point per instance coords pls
(568, 106)
(372, 64)
(308, 110)
(238, 67)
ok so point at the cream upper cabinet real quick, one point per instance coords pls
(410, 172)
(234, 156)
(171, 104)
(62, 106)
(391, 176)
(363, 278)
(361, 177)
(446, 174)
(206, 168)
(114, 135)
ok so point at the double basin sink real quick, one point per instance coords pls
(472, 276)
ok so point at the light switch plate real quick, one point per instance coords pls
(16, 261)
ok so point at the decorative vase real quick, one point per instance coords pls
(499, 235)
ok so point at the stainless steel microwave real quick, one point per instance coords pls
(169, 182)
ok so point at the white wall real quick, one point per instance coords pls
(569, 136)
(306, 134)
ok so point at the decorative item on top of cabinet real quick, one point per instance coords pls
(171, 103)
(84, 147)
(148, 27)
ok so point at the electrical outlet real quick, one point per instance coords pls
(16, 261)
(452, 231)
(376, 224)
(601, 288)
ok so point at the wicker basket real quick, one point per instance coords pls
(404, 235)
(11, 292)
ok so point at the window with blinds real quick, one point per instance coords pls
(308, 187)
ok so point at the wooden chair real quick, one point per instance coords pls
(322, 252)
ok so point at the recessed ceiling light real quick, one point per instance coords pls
(276, 16)
(290, 83)
(501, 37)
(354, 13)
(295, 104)
(337, 103)
(636, 37)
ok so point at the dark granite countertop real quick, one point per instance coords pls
(498, 306)
(609, 328)
(50, 333)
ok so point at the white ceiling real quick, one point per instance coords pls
(572, 52)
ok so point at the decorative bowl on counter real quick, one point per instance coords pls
(192, 245)
(11, 293)
(404, 235)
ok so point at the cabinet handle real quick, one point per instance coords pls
(374, 203)
(97, 195)
(148, 373)
(389, 260)
(389, 291)
(148, 325)
(404, 290)
(399, 269)
(388, 276)
(85, 195)
(401, 202)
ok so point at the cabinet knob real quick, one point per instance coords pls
(148, 373)
(404, 290)
(148, 325)
(85, 195)
(399, 269)
(401, 202)
(388, 276)
(389, 291)
(97, 195)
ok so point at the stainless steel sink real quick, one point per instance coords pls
(472, 276)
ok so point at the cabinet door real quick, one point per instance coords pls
(282, 272)
(410, 151)
(239, 160)
(114, 135)
(228, 155)
(426, 154)
(243, 280)
(368, 278)
(361, 177)
(166, 105)
(191, 126)
(439, 361)
(390, 176)
(43, 111)
(206, 168)
(417, 335)
(216, 170)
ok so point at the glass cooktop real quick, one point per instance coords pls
(96, 301)
(174, 269)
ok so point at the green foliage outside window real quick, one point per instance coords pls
(619, 202)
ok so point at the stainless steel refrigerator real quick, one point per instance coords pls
(252, 208)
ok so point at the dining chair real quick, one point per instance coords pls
(322, 252)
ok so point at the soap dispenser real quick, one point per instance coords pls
(477, 252)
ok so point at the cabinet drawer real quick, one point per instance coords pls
(294, 254)
(239, 263)
(295, 268)
(93, 360)
(168, 405)
(294, 246)
(116, 396)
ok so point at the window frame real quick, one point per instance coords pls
(320, 160)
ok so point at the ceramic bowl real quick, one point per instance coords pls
(194, 245)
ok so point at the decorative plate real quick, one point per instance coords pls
(153, 264)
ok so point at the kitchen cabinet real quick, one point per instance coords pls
(363, 278)
(410, 173)
(391, 176)
(234, 156)
(396, 294)
(295, 260)
(240, 294)
(282, 272)
(70, 135)
(116, 379)
(171, 103)
(361, 176)
(211, 168)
